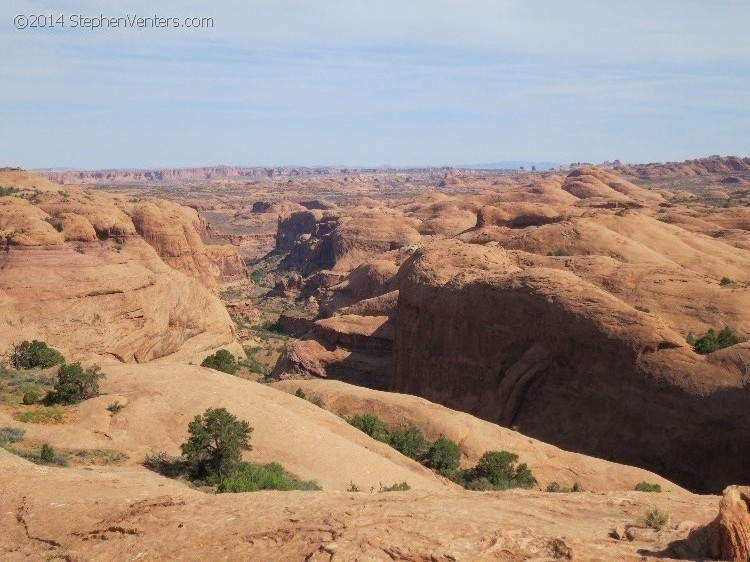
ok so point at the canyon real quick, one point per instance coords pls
(553, 315)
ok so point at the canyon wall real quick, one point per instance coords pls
(565, 362)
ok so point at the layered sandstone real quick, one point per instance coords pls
(544, 350)
(96, 276)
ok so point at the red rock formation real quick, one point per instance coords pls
(78, 276)
(568, 363)
(728, 536)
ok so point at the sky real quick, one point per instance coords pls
(374, 83)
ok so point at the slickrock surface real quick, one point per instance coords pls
(160, 401)
(104, 514)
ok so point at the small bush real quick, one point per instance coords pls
(443, 456)
(501, 470)
(312, 399)
(101, 456)
(31, 354)
(47, 454)
(654, 518)
(554, 487)
(726, 282)
(559, 252)
(74, 384)
(712, 341)
(409, 442)
(642, 309)
(352, 487)
(372, 425)
(252, 364)
(10, 435)
(30, 397)
(56, 224)
(646, 487)
(317, 401)
(398, 487)
(248, 477)
(222, 361)
(42, 415)
(115, 407)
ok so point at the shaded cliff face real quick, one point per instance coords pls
(78, 274)
(568, 363)
(319, 240)
(352, 348)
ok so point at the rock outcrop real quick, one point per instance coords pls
(356, 349)
(728, 536)
(83, 276)
(566, 362)
(173, 232)
(318, 240)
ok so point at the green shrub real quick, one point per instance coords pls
(253, 364)
(646, 487)
(654, 518)
(398, 487)
(443, 456)
(47, 454)
(712, 341)
(30, 397)
(42, 415)
(558, 252)
(75, 384)
(256, 276)
(247, 477)
(554, 487)
(55, 222)
(215, 443)
(409, 442)
(726, 282)
(370, 424)
(31, 354)
(300, 394)
(222, 360)
(501, 470)
(115, 407)
(642, 309)
(10, 435)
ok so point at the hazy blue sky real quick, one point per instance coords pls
(377, 82)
